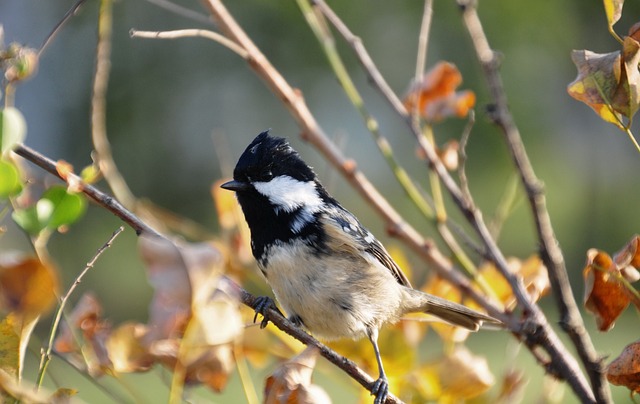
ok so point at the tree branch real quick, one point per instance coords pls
(117, 209)
(542, 334)
(550, 252)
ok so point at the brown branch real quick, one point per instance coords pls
(313, 133)
(550, 252)
(113, 206)
(543, 335)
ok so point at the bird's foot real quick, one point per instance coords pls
(262, 304)
(380, 389)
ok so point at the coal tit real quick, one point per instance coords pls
(327, 271)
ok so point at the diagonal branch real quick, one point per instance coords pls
(550, 252)
(117, 209)
(541, 333)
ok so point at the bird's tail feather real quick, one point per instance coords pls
(448, 311)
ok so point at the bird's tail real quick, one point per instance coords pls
(454, 313)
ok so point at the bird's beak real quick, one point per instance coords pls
(234, 185)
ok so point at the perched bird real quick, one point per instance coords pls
(327, 271)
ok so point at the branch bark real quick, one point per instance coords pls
(118, 210)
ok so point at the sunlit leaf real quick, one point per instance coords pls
(628, 260)
(463, 375)
(613, 10)
(10, 183)
(625, 369)
(604, 296)
(126, 350)
(13, 128)
(27, 285)
(193, 301)
(9, 345)
(291, 381)
(609, 83)
(435, 98)
(67, 207)
(56, 208)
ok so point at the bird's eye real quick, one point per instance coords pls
(267, 176)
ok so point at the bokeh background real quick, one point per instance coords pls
(176, 106)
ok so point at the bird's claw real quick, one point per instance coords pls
(380, 389)
(262, 304)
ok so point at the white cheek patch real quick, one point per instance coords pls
(288, 194)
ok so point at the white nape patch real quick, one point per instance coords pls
(289, 194)
(369, 238)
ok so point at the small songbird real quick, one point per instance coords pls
(327, 271)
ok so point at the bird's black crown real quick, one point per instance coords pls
(268, 157)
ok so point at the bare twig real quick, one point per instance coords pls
(187, 33)
(550, 252)
(246, 298)
(104, 158)
(67, 16)
(540, 333)
(46, 355)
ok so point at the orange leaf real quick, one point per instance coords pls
(27, 285)
(625, 369)
(604, 295)
(435, 97)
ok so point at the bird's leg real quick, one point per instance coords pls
(262, 304)
(380, 387)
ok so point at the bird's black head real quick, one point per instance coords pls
(268, 157)
(278, 192)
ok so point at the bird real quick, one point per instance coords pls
(327, 271)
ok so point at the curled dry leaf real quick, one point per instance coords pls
(625, 369)
(85, 320)
(628, 260)
(609, 83)
(435, 97)
(291, 382)
(194, 315)
(463, 375)
(604, 295)
(27, 285)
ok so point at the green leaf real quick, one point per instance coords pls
(67, 207)
(57, 207)
(10, 183)
(13, 128)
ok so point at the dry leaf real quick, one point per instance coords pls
(195, 318)
(27, 285)
(126, 351)
(464, 375)
(604, 295)
(609, 83)
(628, 260)
(532, 272)
(85, 320)
(625, 369)
(291, 382)
(435, 97)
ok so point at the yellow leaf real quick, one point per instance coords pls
(613, 10)
(125, 349)
(464, 375)
(9, 346)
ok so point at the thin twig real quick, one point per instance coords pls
(104, 158)
(246, 298)
(190, 33)
(541, 332)
(46, 355)
(182, 11)
(67, 16)
(550, 252)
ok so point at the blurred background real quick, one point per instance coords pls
(181, 111)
